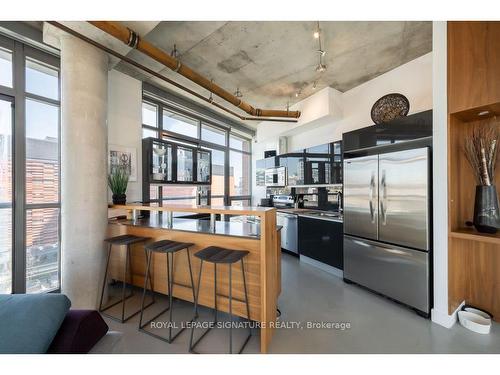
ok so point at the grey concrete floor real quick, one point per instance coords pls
(376, 325)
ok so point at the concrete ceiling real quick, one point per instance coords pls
(272, 61)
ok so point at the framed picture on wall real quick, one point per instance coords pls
(125, 158)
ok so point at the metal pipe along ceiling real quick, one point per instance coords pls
(159, 76)
(132, 39)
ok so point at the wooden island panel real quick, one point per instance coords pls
(262, 268)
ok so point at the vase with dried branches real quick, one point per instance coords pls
(481, 150)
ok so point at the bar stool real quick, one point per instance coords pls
(123, 240)
(169, 248)
(219, 255)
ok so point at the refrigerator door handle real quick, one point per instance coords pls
(371, 195)
(383, 200)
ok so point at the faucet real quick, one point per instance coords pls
(339, 201)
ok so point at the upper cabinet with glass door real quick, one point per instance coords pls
(318, 164)
(174, 163)
(203, 167)
(185, 164)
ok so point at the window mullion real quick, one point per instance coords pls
(19, 173)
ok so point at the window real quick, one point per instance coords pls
(42, 250)
(176, 123)
(5, 67)
(42, 79)
(30, 229)
(239, 173)
(42, 177)
(42, 152)
(213, 135)
(218, 173)
(230, 163)
(239, 143)
(178, 195)
(149, 114)
(6, 125)
(146, 133)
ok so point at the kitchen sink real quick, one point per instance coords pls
(323, 214)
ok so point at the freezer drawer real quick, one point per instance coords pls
(397, 272)
(403, 198)
(361, 196)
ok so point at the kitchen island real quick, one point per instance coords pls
(262, 265)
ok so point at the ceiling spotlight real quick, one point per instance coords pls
(297, 94)
(321, 68)
(238, 93)
(316, 34)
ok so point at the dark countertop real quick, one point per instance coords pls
(222, 228)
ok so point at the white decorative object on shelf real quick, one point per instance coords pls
(159, 151)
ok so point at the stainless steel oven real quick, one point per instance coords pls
(275, 176)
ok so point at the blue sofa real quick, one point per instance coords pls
(44, 323)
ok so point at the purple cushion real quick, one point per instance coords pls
(79, 332)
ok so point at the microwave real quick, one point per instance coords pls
(275, 176)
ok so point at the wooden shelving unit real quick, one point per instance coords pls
(470, 234)
(473, 101)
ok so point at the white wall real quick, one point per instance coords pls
(440, 169)
(413, 79)
(124, 121)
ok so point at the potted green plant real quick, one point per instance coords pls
(117, 182)
(481, 152)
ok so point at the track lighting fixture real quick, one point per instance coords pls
(175, 52)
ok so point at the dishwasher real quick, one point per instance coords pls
(289, 240)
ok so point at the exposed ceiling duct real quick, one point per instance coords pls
(132, 39)
(160, 76)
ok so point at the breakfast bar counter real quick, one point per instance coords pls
(262, 265)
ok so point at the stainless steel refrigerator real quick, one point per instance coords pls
(387, 225)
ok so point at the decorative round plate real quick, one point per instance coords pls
(390, 107)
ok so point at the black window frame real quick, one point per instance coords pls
(198, 142)
(20, 53)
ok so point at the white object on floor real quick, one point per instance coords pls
(478, 312)
(474, 322)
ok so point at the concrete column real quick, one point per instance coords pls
(84, 85)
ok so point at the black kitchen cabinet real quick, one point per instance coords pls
(337, 163)
(166, 162)
(294, 163)
(322, 240)
(318, 164)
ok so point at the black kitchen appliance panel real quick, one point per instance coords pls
(321, 240)
(409, 128)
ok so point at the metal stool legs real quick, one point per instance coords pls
(128, 267)
(170, 287)
(193, 345)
